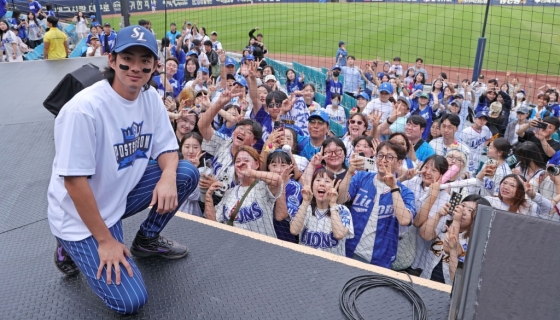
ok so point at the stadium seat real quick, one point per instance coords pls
(36, 54)
(79, 49)
(320, 99)
(337, 129)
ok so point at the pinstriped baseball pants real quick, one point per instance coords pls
(131, 294)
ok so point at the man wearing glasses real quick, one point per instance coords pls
(310, 145)
(380, 204)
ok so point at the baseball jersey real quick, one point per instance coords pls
(317, 231)
(100, 135)
(217, 45)
(385, 107)
(256, 212)
(298, 116)
(306, 148)
(174, 83)
(491, 185)
(475, 141)
(336, 114)
(437, 254)
(111, 39)
(34, 7)
(332, 87)
(293, 86)
(265, 120)
(420, 195)
(441, 149)
(427, 113)
(376, 228)
(222, 163)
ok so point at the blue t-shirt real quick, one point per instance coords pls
(226, 131)
(363, 193)
(182, 56)
(424, 150)
(332, 87)
(174, 83)
(111, 38)
(554, 109)
(427, 114)
(293, 201)
(21, 30)
(172, 36)
(34, 7)
(340, 58)
(264, 119)
(293, 86)
(306, 149)
(3, 10)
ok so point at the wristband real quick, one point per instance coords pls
(396, 190)
(389, 122)
(334, 208)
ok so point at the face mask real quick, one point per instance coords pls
(334, 103)
(519, 96)
(336, 73)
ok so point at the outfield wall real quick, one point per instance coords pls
(111, 7)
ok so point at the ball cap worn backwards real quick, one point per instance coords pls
(135, 36)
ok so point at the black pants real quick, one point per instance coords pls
(34, 43)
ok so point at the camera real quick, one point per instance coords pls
(553, 170)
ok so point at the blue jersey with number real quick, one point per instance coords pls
(427, 114)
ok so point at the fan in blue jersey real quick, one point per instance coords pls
(333, 85)
(425, 108)
(380, 205)
(293, 82)
(108, 38)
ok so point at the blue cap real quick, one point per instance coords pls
(523, 91)
(336, 67)
(341, 43)
(92, 16)
(192, 53)
(230, 62)
(481, 114)
(320, 114)
(387, 87)
(135, 36)
(241, 81)
(250, 57)
(95, 24)
(364, 95)
(204, 69)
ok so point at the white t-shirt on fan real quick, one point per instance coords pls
(101, 135)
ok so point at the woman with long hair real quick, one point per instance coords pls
(35, 31)
(81, 24)
(449, 238)
(531, 163)
(320, 222)
(518, 196)
(191, 69)
(9, 41)
(190, 149)
(293, 82)
(357, 126)
(250, 204)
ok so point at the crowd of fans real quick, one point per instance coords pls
(399, 189)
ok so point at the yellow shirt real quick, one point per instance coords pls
(55, 38)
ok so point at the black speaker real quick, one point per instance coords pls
(70, 85)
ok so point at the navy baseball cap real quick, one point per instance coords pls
(204, 69)
(135, 36)
(481, 114)
(336, 67)
(230, 62)
(341, 43)
(321, 115)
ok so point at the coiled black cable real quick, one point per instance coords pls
(358, 285)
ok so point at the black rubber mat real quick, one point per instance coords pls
(226, 276)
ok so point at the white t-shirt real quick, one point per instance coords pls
(317, 231)
(256, 212)
(222, 162)
(336, 114)
(100, 134)
(97, 52)
(475, 141)
(376, 104)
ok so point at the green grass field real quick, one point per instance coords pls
(519, 39)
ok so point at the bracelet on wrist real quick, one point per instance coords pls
(389, 121)
(335, 208)
(397, 189)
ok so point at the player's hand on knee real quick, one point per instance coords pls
(111, 255)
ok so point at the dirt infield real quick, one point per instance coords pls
(453, 73)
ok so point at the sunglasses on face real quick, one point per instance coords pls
(358, 122)
(316, 121)
(275, 105)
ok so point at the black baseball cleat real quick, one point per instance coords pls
(157, 246)
(64, 262)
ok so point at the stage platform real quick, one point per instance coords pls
(229, 273)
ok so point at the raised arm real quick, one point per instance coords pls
(356, 163)
(209, 208)
(253, 89)
(424, 211)
(205, 121)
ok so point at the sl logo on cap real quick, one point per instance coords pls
(138, 34)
